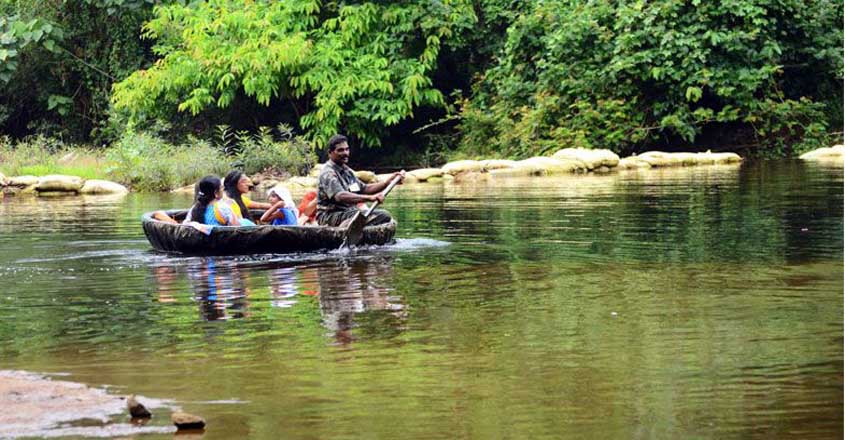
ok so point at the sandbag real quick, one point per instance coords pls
(302, 182)
(496, 164)
(833, 153)
(632, 163)
(58, 182)
(590, 158)
(550, 165)
(462, 166)
(424, 174)
(366, 176)
(22, 181)
(95, 186)
(315, 172)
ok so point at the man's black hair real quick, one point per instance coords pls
(336, 140)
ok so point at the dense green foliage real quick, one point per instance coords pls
(499, 77)
(623, 75)
(352, 67)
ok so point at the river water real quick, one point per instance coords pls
(690, 303)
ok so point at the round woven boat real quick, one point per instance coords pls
(229, 240)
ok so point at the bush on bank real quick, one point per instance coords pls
(146, 162)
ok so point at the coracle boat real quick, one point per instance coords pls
(230, 240)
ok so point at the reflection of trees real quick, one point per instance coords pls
(356, 295)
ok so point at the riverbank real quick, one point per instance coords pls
(37, 405)
(565, 161)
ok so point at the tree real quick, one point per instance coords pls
(630, 75)
(356, 67)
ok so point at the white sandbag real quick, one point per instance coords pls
(462, 166)
(59, 183)
(424, 174)
(591, 158)
(95, 186)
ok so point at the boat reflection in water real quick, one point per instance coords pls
(356, 296)
(220, 289)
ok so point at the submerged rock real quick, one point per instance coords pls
(136, 409)
(185, 421)
(95, 186)
(58, 182)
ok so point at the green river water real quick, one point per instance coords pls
(689, 303)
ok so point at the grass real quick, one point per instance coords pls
(41, 156)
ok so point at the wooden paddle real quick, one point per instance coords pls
(355, 230)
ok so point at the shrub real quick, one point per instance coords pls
(147, 163)
(264, 153)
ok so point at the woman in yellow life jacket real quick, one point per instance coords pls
(236, 185)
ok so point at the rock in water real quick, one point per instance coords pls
(136, 409)
(184, 421)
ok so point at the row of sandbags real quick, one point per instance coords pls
(571, 160)
(565, 161)
(56, 184)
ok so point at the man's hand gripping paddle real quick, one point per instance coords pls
(355, 230)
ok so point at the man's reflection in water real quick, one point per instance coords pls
(356, 295)
(165, 279)
(219, 288)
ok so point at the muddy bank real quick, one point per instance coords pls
(35, 405)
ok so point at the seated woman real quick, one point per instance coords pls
(282, 211)
(236, 185)
(308, 209)
(208, 208)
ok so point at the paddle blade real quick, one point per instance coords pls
(355, 231)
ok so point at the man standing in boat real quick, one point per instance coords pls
(340, 191)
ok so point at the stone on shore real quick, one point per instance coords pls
(462, 166)
(832, 154)
(22, 181)
(424, 174)
(136, 409)
(95, 186)
(187, 189)
(58, 182)
(2, 179)
(592, 159)
(184, 421)
(366, 176)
